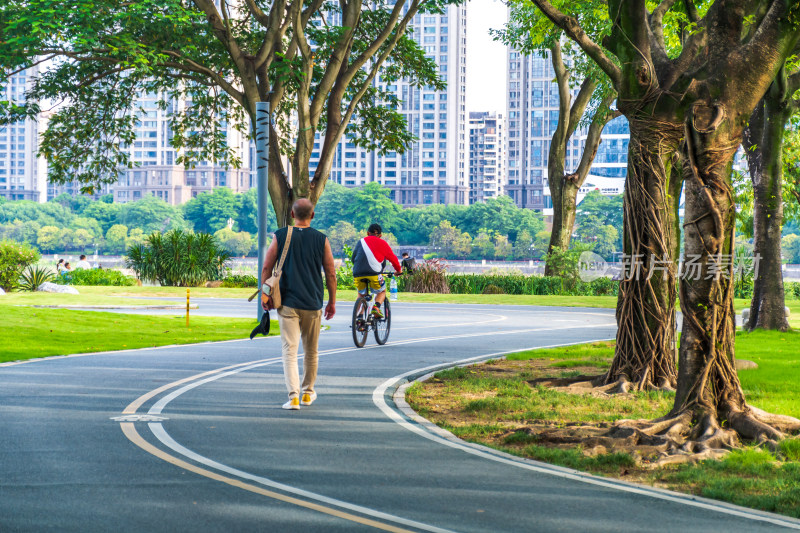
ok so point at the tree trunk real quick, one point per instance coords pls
(564, 193)
(645, 350)
(708, 386)
(763, 142)
(674, 189)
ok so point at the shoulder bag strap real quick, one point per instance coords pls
(279, 268)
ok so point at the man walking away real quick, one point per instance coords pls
(409, 263)
(369, 258)
(301, 289)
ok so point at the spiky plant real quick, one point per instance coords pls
(178, 258)
(34, 276)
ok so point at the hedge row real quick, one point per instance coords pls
(534, 285)
(96, 276)
(500, 284)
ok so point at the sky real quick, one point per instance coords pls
(486, 59)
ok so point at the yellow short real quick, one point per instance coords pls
(376, 283)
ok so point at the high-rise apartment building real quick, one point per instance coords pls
(158, 172)
(433, 170)
(532, 119)
(487, 156)
(21, 173)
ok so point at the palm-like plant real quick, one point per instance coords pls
(33, 277)
(178, 258)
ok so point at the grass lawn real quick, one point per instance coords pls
(30, 333)
(501, 404)
(77, 300)
(124, 296)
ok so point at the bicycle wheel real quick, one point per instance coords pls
(360, 325)
(382, 325)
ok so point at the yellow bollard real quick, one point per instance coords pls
(187, 308)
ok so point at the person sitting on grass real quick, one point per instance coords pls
(369, 259)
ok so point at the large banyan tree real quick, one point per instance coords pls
(695, 91)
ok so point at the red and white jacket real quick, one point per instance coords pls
(370, 256)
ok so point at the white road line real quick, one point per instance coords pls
(161, 434)
(432, 432)
(165, 438)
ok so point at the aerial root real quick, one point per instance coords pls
(751, 427)
(693, 434)
(782, 423)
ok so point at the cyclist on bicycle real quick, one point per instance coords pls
(369, 260)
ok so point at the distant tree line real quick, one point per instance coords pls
(496, 229)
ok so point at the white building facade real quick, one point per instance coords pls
(21, 174)
(159, 174)
(487, 156)
(532, 119)
(433, 170)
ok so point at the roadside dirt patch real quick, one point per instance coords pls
(586, 425)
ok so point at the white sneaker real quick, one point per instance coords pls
(292, 404)
(308, 398)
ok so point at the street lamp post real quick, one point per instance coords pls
(262, 177)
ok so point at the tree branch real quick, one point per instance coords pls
(758, 57)
(694, 44)
(191, 66)
(274, 24)
(562, 82)
(691, 11)
(336, 122)
(656, 25)
(575, 32)
(579, 105)
(373, 48)
(792, 83)
(8, 74)
(216, 22)
(259, 14)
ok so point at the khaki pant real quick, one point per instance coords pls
(297, 324)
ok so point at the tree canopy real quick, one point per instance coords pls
(208, 65)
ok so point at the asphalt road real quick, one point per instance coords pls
(192, 438)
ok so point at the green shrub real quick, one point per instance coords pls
(532, 285)
(178, 259)
(238, 281)
(599, 287)
(96, 276)
(493, 289)
(565, 262)
(14, 258)
(743, 272)
(33, 277)
(791, 289)
(344, 274)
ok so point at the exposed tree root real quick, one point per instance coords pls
(689, 436)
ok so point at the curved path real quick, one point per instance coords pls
(192, 438)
